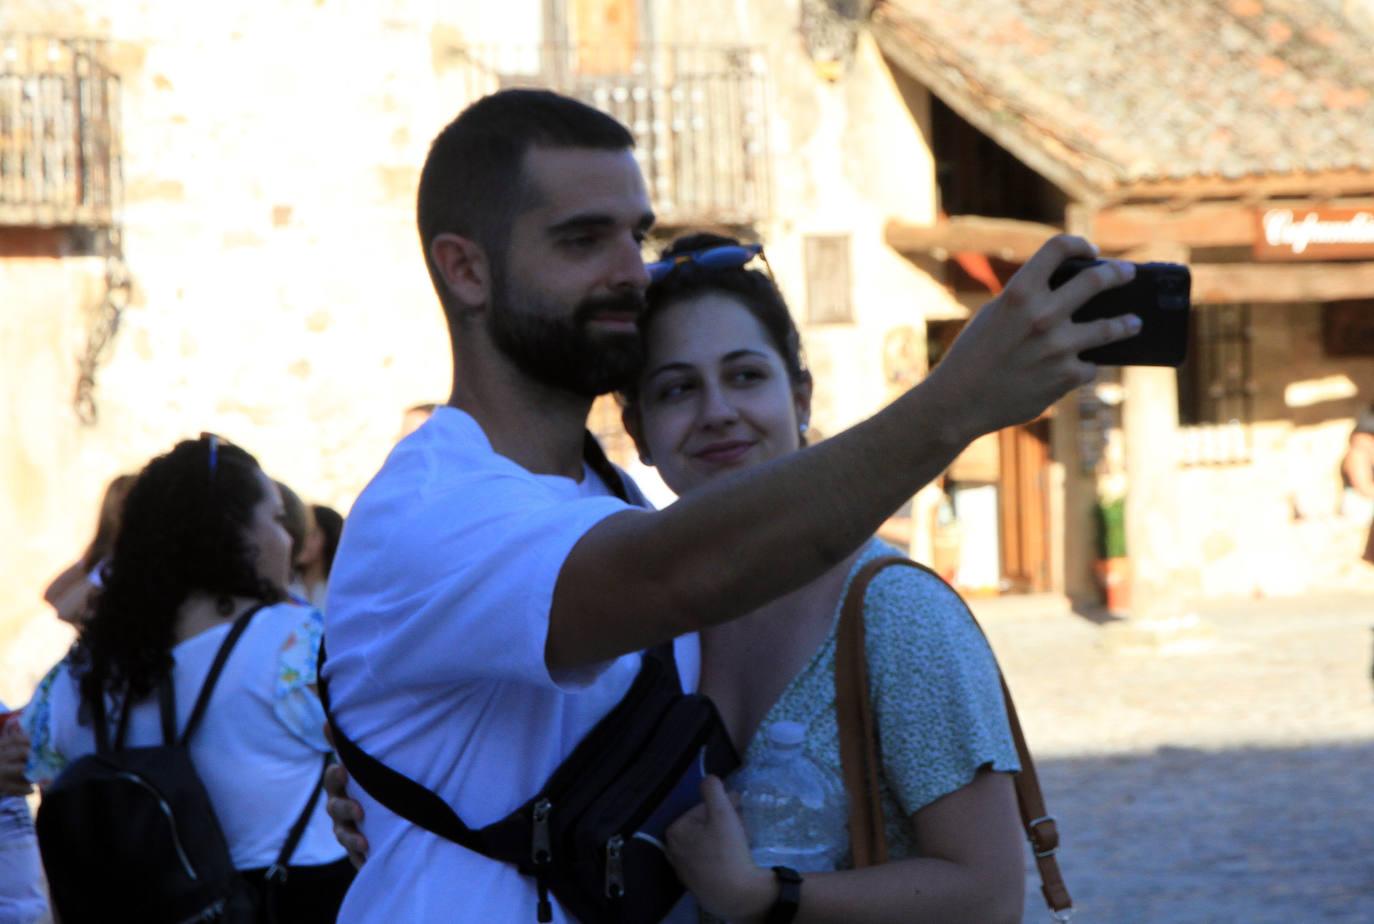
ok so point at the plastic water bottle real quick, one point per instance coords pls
(793, 809)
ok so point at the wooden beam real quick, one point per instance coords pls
(53, 216)
(1128, 227)
(1196, 225)
(1222, 283)
(1004, 238)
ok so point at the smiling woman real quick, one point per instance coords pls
(723, 389)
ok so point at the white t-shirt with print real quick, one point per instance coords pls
(260, 745)
(437, 615)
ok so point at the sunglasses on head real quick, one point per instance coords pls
(213, 443)
(724, 257)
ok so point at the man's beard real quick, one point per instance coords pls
(561, 351)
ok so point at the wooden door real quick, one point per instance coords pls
(1023, 508)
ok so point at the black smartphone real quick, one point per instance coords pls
(1160, 294)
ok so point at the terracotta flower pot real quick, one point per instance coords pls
(1114, 579)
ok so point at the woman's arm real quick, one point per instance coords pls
(69, 593)
(971, 868)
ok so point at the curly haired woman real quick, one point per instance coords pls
(202, 544)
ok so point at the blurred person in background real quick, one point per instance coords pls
(297, 521)
(317, 553)
(69, 593)
(414, 418)
(1357, 474)
(23, 899)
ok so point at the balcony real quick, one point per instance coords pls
(59, 136)
(697, 115)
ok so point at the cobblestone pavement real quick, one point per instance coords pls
(1213, 768)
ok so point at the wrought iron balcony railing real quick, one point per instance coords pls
(697, 114)
(59, 134)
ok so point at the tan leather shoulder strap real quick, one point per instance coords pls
(854, 715)
(859, 747)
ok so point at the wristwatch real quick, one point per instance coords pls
(789, 896)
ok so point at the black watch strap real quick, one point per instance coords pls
(789, 896)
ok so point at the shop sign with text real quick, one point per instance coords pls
(1315, 234)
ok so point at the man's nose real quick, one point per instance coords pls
(628, 271)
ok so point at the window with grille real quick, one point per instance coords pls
(1216, 386)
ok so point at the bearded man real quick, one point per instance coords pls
(492, 594)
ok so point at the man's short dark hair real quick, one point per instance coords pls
(471, 182)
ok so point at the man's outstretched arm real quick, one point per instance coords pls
(637, 579)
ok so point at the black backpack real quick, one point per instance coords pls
(131, 834)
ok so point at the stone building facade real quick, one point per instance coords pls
(268, 154)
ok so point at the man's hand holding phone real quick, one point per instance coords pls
(1021, 351)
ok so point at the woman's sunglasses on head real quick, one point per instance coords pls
(724, 257)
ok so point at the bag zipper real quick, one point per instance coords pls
(615, 872)
(171, 819)
(541, 854)
(615, 844)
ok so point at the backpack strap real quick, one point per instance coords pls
(208, 687)
(99, 724)
(277, 871)
(859, 749)
(167, 706)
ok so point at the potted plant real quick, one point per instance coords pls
(1113, 568)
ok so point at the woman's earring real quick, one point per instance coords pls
(803, 427)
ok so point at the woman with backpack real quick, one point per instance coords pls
(191, 652)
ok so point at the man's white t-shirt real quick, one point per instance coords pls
(437, 615)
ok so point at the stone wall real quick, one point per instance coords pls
(1275, 525)
(271, 151)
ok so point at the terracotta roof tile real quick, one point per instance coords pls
(1123, 91)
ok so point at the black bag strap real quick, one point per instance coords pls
(596, 460)
(509, 839)
(221, 656)
(417, 804)
(102, 730)
(167, 703)
(277, 871)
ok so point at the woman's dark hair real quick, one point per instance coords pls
(330, 524)
(186, 528)
(754, 289)
(111, 512)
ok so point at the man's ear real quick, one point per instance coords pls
(463, 265)
(801, 398)
(629, 419)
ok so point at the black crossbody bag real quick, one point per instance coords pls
(593, 833)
